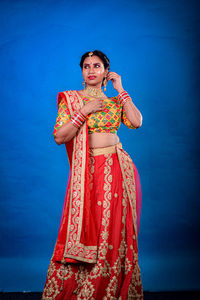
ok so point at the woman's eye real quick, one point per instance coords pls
(97, 66)
(85, 67)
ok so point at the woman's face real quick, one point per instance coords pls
(93, 71)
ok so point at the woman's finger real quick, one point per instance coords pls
(113, 76)
(112, 73)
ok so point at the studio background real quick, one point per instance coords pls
(154, 46)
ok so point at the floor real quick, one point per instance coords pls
(182, 295)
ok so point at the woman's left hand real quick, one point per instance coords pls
(116, 80)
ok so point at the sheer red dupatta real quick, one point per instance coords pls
(77, 237)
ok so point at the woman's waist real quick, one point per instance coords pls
(105, 150)
(102, 140)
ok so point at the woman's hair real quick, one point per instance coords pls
(98, 53)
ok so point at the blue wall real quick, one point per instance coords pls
(154, 46)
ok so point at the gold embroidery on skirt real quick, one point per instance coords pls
(85, 287)
(51, 289)
(102, 267)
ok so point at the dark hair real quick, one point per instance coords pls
(98, 53)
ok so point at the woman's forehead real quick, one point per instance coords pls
(92, 60)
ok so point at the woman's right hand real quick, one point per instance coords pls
(92, 106)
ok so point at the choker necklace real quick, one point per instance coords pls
(94, 92)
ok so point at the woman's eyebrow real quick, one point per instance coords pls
(87, 64)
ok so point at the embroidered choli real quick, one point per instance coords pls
(108, 120)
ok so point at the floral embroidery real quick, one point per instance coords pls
(66, 273)
(112, 288)
(51, 289)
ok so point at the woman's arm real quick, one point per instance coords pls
(68, 130)
(131, 111)
(133, 114)
(65, 133)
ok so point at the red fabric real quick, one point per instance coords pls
(138, 197)
(89, 232)
(116, 272)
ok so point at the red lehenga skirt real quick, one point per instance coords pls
(116, 274)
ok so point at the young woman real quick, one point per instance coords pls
(96, 254)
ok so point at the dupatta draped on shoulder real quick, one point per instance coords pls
(77, 238)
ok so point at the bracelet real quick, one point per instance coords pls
(123, 97)
(78, 119)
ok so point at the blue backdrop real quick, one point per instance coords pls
(154, 46)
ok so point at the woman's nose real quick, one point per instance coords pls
(91, 69)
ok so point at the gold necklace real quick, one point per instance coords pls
(94, 92)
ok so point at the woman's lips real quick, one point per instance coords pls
(91, 77)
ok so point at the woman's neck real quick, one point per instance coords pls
(94, 92)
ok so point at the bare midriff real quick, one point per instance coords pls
(102, 139)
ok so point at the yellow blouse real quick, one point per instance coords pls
(108, 120)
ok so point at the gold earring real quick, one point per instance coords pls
(84, 83)
(104, 83)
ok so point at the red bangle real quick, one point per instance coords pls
(123, 97)
(78, 119)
